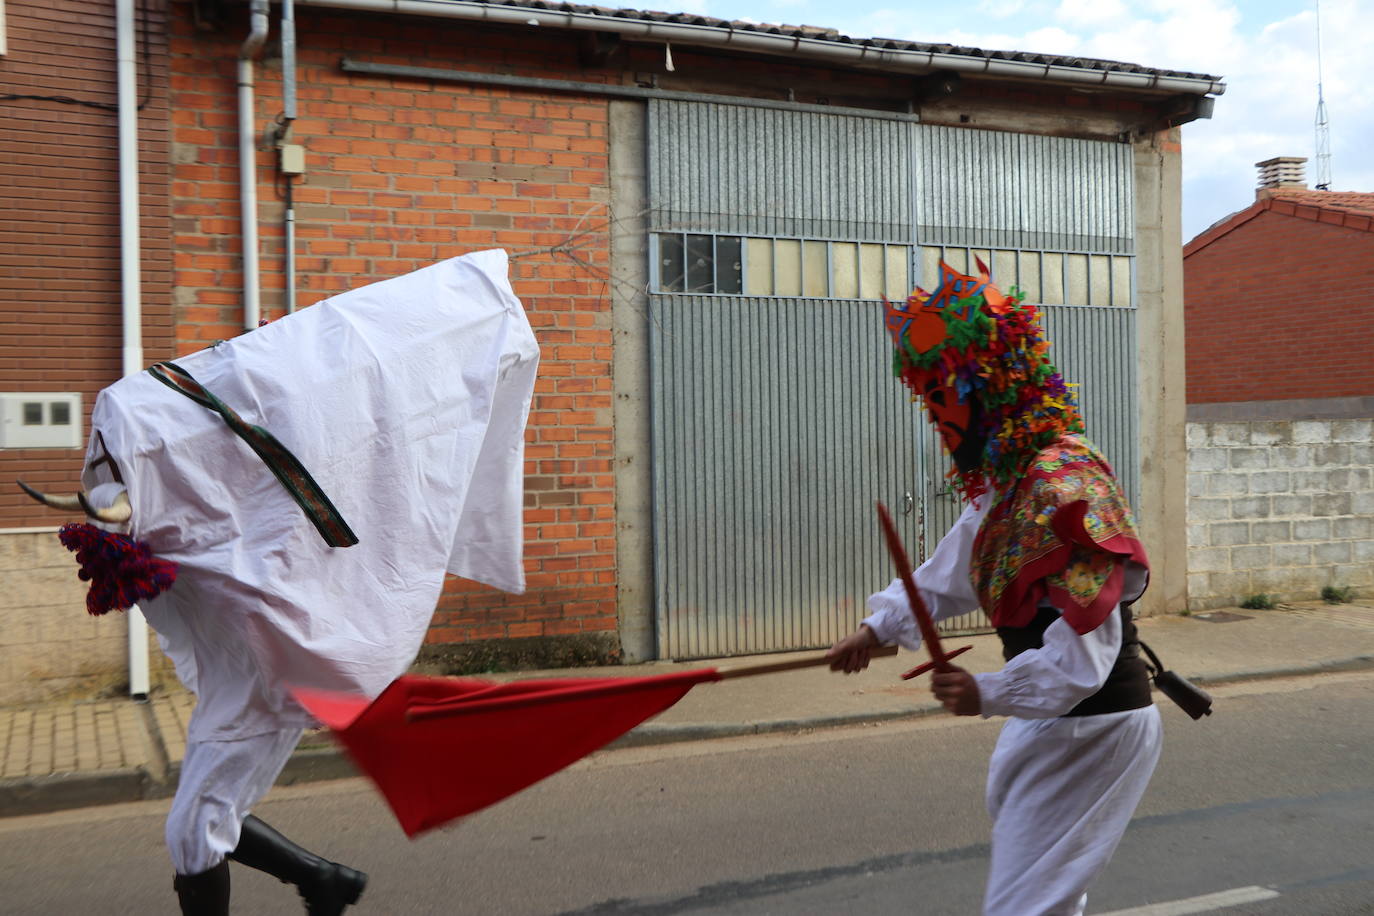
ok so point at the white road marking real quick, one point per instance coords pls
(1204, 904)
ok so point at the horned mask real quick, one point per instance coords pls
(978, 359)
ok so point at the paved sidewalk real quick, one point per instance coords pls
(71, 755)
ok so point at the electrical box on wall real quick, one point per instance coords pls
(292, 158)
(40, 419)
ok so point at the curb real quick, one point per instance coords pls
(64, 791)
(316, 764)
(1334, 666)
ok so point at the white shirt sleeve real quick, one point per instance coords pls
(1048, 682)
(943, 581)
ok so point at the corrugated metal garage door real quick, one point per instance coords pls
(776, 422)
(1055, 216)
(774, 434)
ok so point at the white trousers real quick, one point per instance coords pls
(1061, 793)
(220, 783)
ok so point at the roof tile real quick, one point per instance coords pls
(1349, 209)
(817, 33)
(1347, 201)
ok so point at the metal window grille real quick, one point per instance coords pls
(700, 264)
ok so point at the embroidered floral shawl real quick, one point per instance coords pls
(1062, 532)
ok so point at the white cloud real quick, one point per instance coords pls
(885, 22)
(1052, 40)
(1000, 9)
(1090, 13)
(1269, 109)
(1198, 37)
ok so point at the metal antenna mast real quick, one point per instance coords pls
(1323, 125)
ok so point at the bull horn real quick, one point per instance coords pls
(118, 513)
(70, 503)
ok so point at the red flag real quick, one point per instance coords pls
(439, 748)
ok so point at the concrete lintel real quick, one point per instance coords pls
(1352, 408)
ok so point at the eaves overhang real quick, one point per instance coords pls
(820, 45)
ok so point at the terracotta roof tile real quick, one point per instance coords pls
(1349, 201)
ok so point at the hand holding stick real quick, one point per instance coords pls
(939, 659)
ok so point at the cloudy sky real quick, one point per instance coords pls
(1266, 50)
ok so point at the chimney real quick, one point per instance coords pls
(1279, 173)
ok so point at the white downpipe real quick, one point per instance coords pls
(129, 272)
(248, 172)
(288, 86)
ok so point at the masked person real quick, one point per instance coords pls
(1046, 546)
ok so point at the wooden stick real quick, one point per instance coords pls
(939, 661)
(923, 667)
(812, 662)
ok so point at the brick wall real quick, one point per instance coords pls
(1280, 307)
(60, 309)
(60, 321)
(1277, 507)
(401, 173)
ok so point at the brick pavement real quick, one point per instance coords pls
(171, 714)
(143, 744)
(58, 738)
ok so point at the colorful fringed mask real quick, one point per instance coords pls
(978, 360)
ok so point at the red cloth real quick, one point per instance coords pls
(441, 748)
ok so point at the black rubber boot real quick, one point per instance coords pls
(326, 886)
(205, 894)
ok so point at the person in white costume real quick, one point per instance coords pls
(1047, 548)
(311, 551)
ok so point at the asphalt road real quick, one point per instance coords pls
(1265, 808)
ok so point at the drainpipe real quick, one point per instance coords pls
(248, 173)
(288, 117)
(129, 273)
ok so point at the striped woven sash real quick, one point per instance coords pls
(292, 474)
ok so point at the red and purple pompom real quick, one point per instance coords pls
(121, 570)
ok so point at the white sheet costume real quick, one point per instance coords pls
(406, 401)
(1061, 790)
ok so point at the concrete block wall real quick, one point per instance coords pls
(1279, 507)
(50, 648)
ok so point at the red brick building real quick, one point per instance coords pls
(642, 169)
(1280, 298)
(1280, 330)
